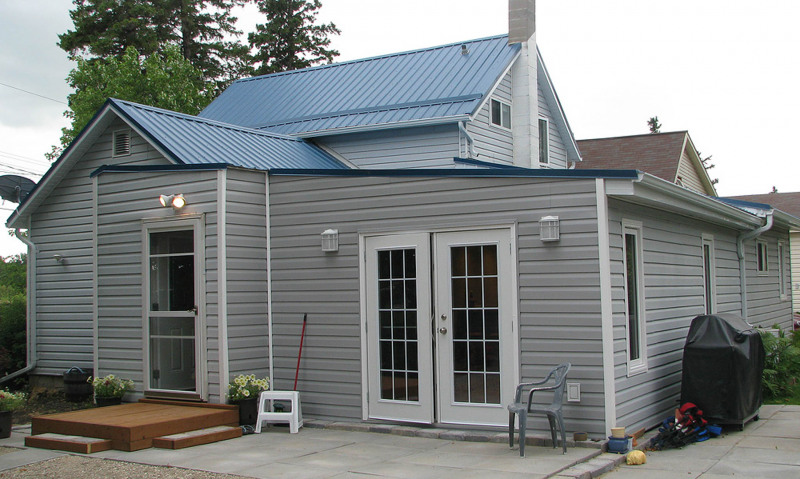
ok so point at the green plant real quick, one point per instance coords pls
(781, 366)
(10, 401)
(111, 386)
(246, 386)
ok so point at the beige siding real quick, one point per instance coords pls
(689, 176)
(558, 282)
(63, 225)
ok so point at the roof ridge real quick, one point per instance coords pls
(367, 59)
(636, 136)
(209, 122)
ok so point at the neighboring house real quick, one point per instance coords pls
(790, 203)
(670, 156)
(418, 207)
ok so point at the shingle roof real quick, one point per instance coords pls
(432, 83)
(658, 154)
(788, 202)
(193, 140)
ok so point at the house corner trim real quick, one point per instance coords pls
(606, 310)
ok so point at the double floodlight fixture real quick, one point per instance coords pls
(175, 201)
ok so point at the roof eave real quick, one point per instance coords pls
(382, 126)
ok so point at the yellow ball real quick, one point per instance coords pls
(636, 457)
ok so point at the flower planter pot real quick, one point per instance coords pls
(5, 424)
(248, 411)
(106, 401)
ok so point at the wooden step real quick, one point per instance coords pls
(64, 442)
(197, 437)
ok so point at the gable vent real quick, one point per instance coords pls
(122, 143)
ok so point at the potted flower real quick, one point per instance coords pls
(243, 391)
(9, 402)
(110, 389)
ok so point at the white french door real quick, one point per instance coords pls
(440, 302)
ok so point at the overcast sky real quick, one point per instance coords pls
(728, 71)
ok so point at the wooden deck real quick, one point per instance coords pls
(133, 426)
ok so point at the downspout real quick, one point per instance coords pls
(470, 141)
(740, 252)
(269, 285)
(32, 356)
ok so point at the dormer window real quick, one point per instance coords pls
(500, 114)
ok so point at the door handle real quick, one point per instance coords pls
(442, 330)
(193, 310)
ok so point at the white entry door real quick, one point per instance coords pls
(475, 341)
(460, 326)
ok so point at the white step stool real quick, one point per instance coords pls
(265, 412)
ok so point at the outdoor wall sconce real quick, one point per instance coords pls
(330, 240)
(549, 228)
(175, 201)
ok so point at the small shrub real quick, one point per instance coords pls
(781, 366)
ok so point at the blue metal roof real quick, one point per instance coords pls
(193, 140)
(432, 83)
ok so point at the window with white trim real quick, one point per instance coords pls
(762, 260)
(709, 275)
(500, 113)
(782, 269)
(634, 298)
(544, 141)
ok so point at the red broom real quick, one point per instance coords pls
(300, 353)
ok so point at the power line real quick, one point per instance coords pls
(14, 156)
(35, 94)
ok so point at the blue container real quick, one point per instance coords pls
(619, 445)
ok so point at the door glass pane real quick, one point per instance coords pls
(476, 345)
(397, 308)
(172, 271)
(172, 360)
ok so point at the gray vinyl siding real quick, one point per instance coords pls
(246, 233)
(559, 298)
(673, 296)
(119, 263)
(558, 152)
(493, 143)
(64, 225)
(765, 308)
(419, 147)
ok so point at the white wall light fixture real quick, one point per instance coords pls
(175, 201)
(549, 229)
(330, 240)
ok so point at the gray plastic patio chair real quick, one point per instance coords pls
(558, 375)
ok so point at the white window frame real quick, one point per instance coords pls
(114, 135)
(635, 365)
(546, 161)
(710, 275)
(782, 270)
(501, 103)
(762, 266)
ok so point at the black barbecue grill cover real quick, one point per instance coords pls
(722, 364)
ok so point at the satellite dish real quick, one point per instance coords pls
(15, 188)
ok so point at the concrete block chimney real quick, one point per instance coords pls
(524, 86)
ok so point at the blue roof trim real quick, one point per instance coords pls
(148, 168)
(426, 85)
(465, 173)
(744, 204)
(487, 164)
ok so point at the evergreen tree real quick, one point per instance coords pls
(290, 39)
(107, 28)
(655, 126)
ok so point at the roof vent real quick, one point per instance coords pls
(122, 143)
(464, 50)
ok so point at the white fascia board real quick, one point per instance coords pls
(663, 195)
(552, 99)
(382, 126)
(494, 87)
